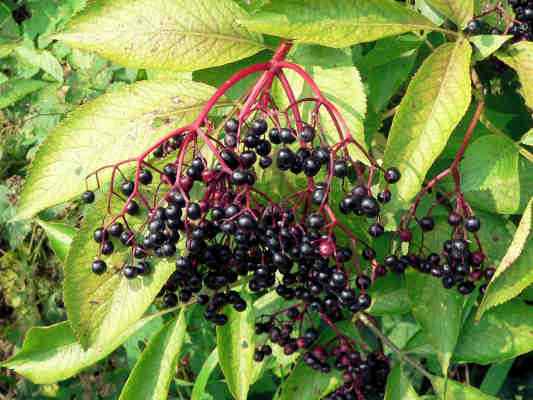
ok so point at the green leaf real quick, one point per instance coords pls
(438, 311)
(177, 35)
(114, 127)
(60, 237)
(514, 273)
(236, 345)
(14, 90)
(51, 354)
(436, 100)
(503, 333)
(519, 56)
(151, 376)
(486, 45)
(459, 11)
(495, 177)
(42, 59)
(389, 296)
(344, 88)
(101, 307)
(495, 377)
(398, 386)
(202, 378)
(305, 383)
(336, 23)
(527, 139)
(453, 390)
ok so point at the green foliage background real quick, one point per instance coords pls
(51, 67)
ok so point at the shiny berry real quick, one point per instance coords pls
(392, 175)
(472, 224)
(99, 267)
(87, 197)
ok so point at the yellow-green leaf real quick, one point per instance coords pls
(60, 237)
(14, 90)
(398, 386)
(177, 35)
(485, 45)
(459, 11)
(436, 100)
(519, 56)
(430, 303)
(152, 374)
(51, 354)
(453, 390)
(236, 345)
(336, 23)
(515, 272)
(504, 332)
(101, 307)
(113, 127)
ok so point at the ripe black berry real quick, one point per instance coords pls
(116, 229)
(99, 267)
(287, 135)
(87, 197)
(454, 219)
(127, 188)
(308, 134)
(472, 224)
(259, 126)
(145, 177)
(129, 272)
(427, 224)
(231, 125)
(132, 208)
(194, 211)
(392, 175)
(376, 230)
(99, 235)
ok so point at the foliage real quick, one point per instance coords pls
(86, 84)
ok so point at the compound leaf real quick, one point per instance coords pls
(151, 376)
(459, 11)
(436, 100)
(503, 333)
(519, 56)
(177, 35)
(115, 126)
(514, 273)
(336, 23)
(236, 345)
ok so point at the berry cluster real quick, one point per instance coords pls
(202, 196)
(522, 27)
(364, 374)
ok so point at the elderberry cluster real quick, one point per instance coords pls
(458, 263)
(202, 198)
(235, 230)
(522, 27)
(363, 373)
